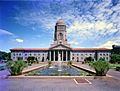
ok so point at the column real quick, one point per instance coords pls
(62, 55)
(57, 53)
(70, 56)
(66, 56)
(54, 55)
(50, 56)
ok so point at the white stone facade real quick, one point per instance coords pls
(74, 56)
(41, 56)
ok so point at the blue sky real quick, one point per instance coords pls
(30, 23)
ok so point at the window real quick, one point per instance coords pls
(72, 58)
(77, 59)
(19, 54)
(25, 54)
(106, 58)
(26, 58)
(81, 54)
(60, 36)
(13, 54)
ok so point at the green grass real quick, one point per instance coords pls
(83, 73)
(33, 73)
(113, 66)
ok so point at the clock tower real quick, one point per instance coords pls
(60, 35)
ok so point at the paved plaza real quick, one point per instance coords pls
(58, 85)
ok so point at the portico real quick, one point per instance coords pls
(60, 45)
(65, 55)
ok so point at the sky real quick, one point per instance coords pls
(31, 23)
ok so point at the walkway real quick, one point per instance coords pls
(34, 67)
(111, 72)
(5, 73)
(58, 85)
(114, 74)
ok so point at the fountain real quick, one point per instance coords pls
(59, 63)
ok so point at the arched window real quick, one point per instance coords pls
(60, 36)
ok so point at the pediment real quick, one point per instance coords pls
(60, 47)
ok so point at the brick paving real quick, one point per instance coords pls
(58, 85)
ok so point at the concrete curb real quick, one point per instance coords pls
(49, 77)
(35, 68)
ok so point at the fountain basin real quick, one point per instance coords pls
(55, 71)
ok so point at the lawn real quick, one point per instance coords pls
(113, 66)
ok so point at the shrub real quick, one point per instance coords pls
(16, 67)
(31, 59)
(49, 63)
(101, 67)
(117, 68)
(69, 63)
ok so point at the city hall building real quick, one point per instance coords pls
(62, 47)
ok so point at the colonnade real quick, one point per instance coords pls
(65, 55)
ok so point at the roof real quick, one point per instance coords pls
(89, 49)
(60, 22)
(45, 49)
(29, 49)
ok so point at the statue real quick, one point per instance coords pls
(59, 57)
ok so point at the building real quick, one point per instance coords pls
(62, 47)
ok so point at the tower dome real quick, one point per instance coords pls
(60, 22)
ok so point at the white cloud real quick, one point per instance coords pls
(19, 40)
(108, 44)
(5, 32)
(99, 25)
(89, 22)
(74, 42)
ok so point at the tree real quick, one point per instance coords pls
(115, 58)
(5, 56)
(88, 59)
